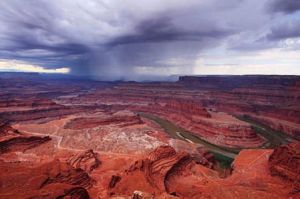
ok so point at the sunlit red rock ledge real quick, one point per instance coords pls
(200, 137)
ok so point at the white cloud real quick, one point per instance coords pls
(21, 66)
(276, 61)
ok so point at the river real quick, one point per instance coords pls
(223, 155)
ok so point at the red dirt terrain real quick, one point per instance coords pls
(199, 137)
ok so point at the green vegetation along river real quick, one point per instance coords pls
(223, 155)
(274, 138)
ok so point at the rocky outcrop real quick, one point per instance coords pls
(75, 193)
(285, 163)
(64, 173)
(164, 171)
(163, 162)
(113, 181)
(22, 143)
(203, 157)
(87, 161)
(141, 195)
(152, 172)
(7, 132)
(6, 129)
(50, 179)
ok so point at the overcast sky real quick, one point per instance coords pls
(134, 39)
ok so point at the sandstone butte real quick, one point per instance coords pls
(73, 139)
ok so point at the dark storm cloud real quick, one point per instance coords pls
(30, 31)
(163, 30)
(116, 39)
(284, 30)
(285, 6)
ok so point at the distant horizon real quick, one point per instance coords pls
(170, 78)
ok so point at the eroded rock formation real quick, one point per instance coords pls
(285, 163)
(66, 174)
(87, 161)
(75, 193)
(150, 174)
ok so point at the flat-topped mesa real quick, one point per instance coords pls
(234, 81)
(120, 120)
(285, 163)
